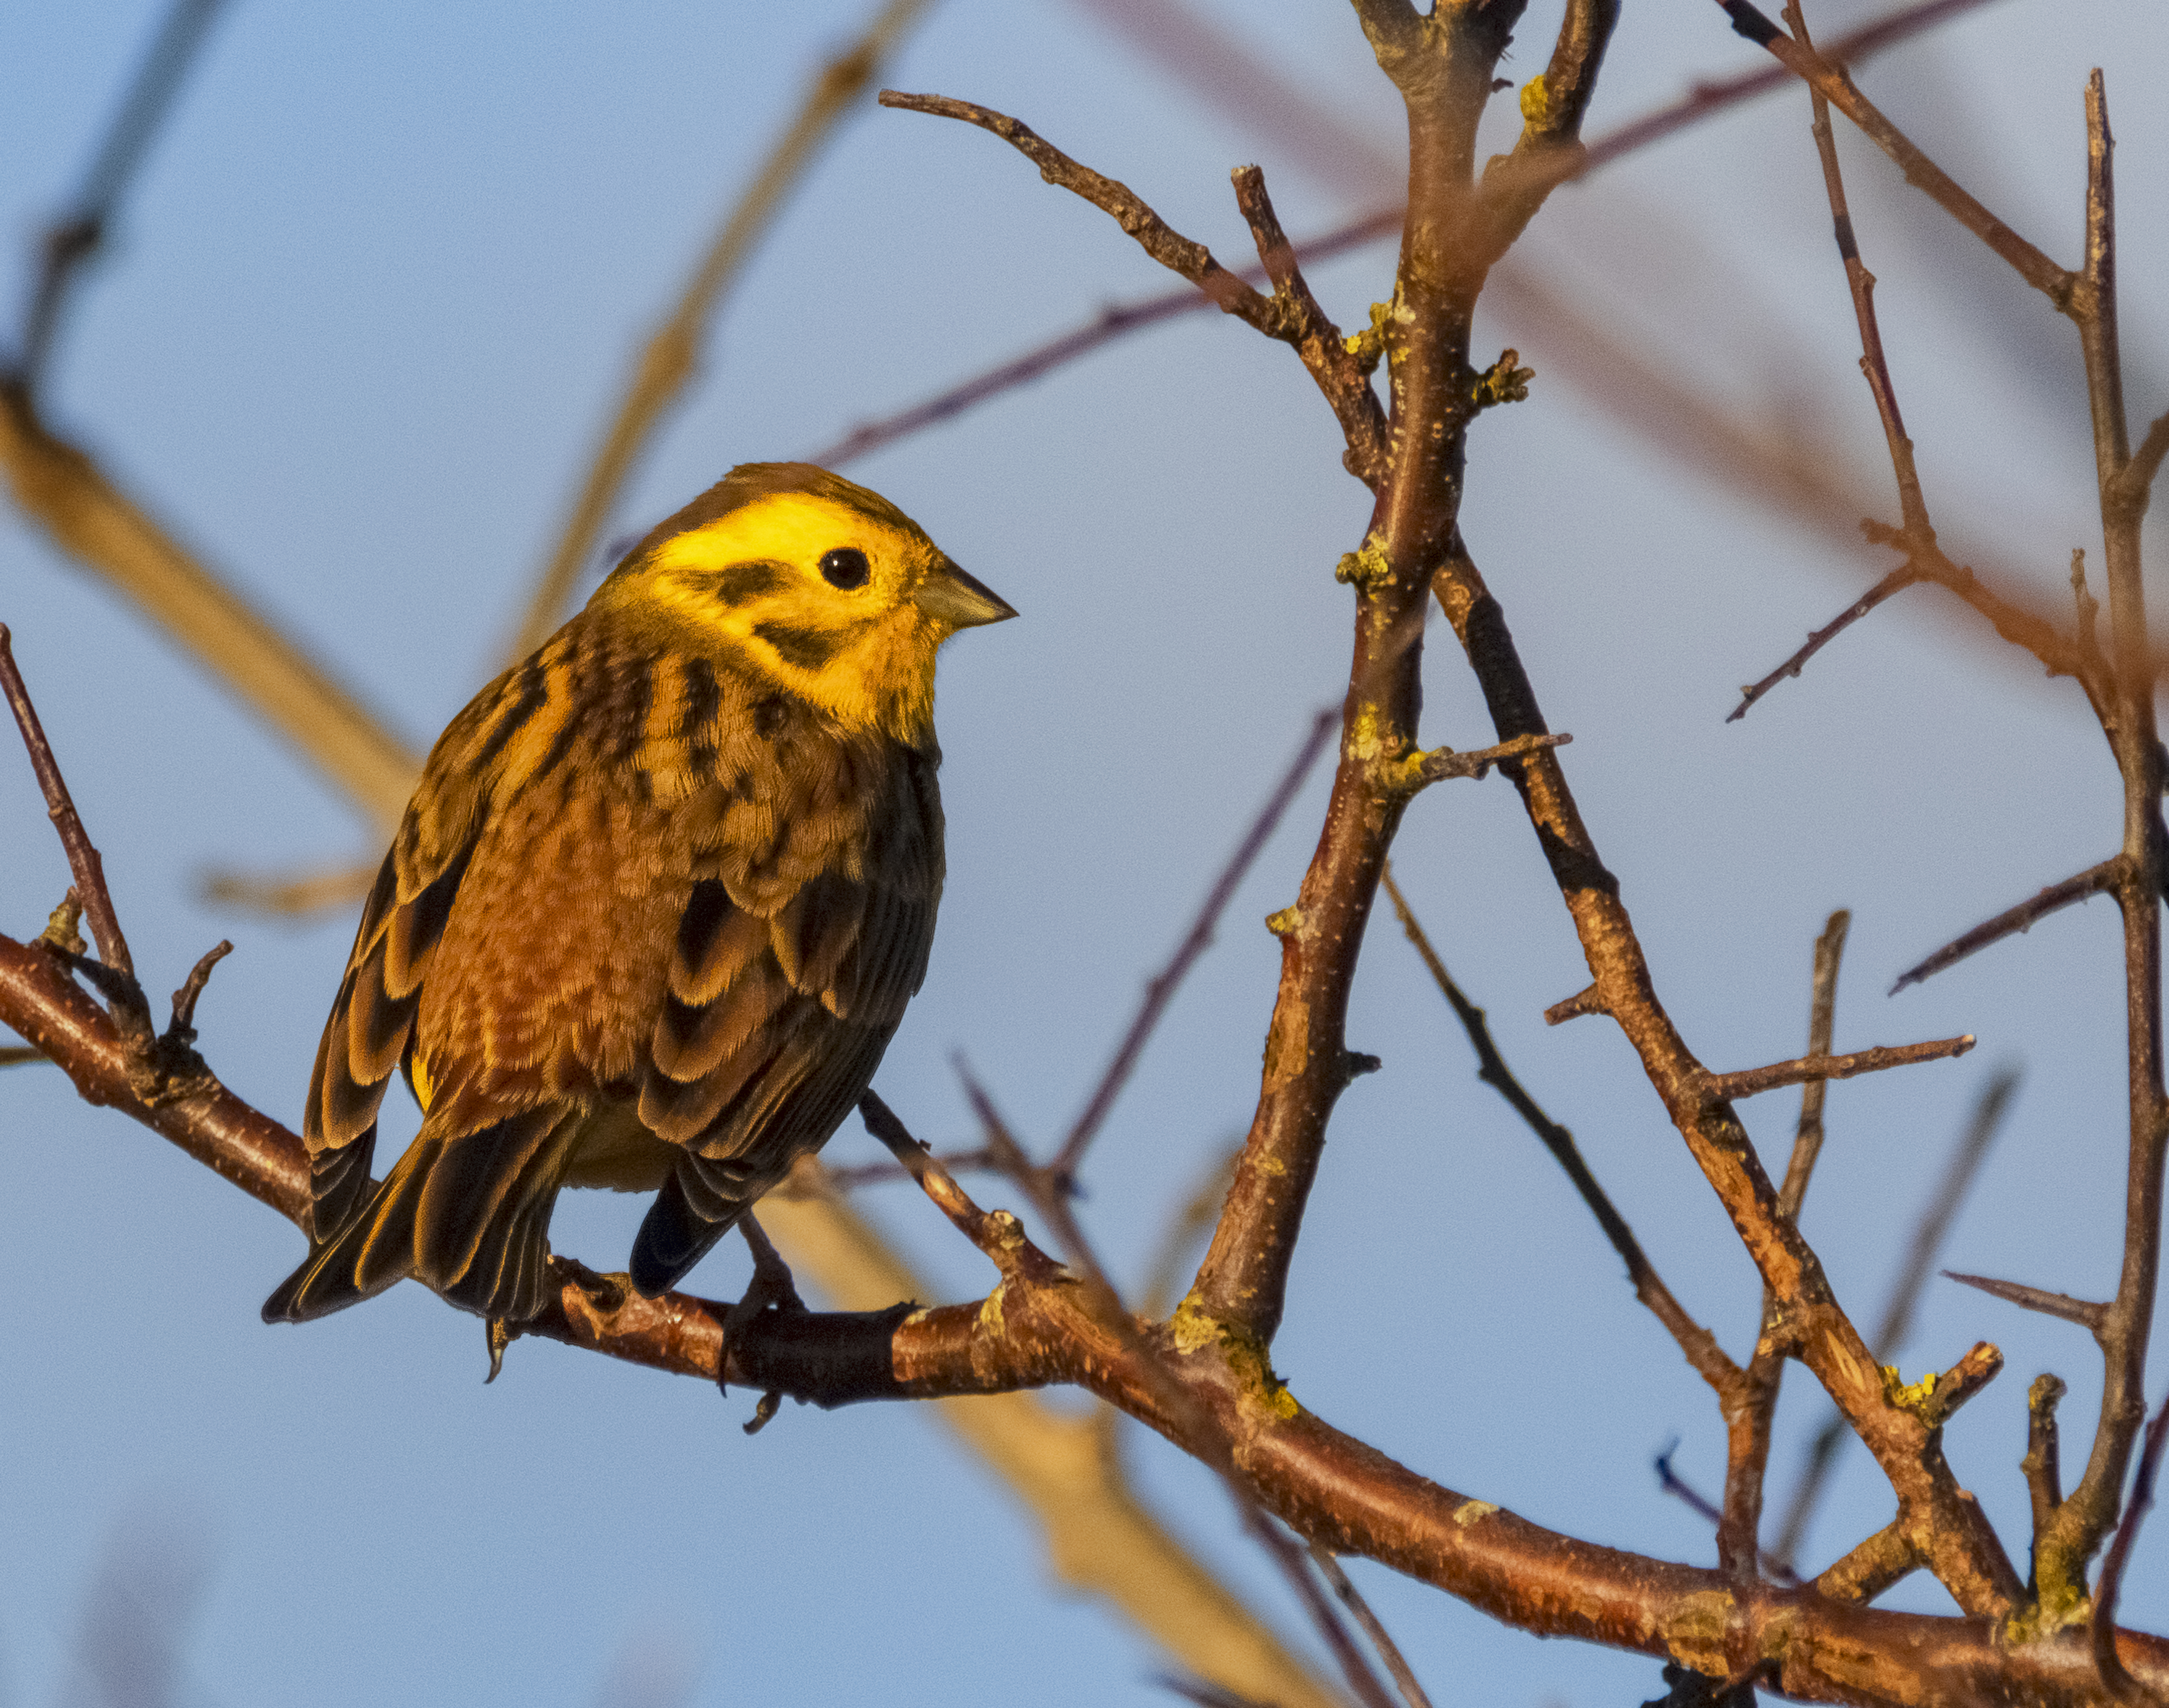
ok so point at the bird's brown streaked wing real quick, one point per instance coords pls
(774, 1021)
(372, 1019)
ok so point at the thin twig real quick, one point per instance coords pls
(2041, 1466)
(2101, 1628)
(669, 362)
(76, 237)
(1822, 1023)
(994, 1232)
(1116, 199)
(1831, 81)
(2087, 1313)
(1897, 581)
(1209, 1443)
(1673, 1484)
(2013, 921)
(1110, 324)
(1751, 1414)
(1751, 1081)
(20, 1055)
(1874, 363)
(1342, 1585)
(89, 871)
(1113, 322)
(1705, 98)
(1310, 331)
(1896, 1327)
(1703, 1352)
(1160, 990)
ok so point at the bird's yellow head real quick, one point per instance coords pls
(809, 581)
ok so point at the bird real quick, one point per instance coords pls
(655, 909)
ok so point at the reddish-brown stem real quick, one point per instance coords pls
(1307, 330)
(81, 854)
(1897, 581)
(1831, 81)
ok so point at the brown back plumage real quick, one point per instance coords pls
(649, 921)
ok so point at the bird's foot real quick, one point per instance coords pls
(502, 1332)
(771, 1285)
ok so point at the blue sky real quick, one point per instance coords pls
(363, 317)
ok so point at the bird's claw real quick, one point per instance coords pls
(771, 1285)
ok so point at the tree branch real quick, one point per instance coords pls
(1708, 1358)
(1752, 1081)
(1832, 83)
(1944, 1524)
(1331, 1489)
(2013, 921)
(2088, 1515)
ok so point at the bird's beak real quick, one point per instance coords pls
(949, 595)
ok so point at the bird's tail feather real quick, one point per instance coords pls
(467, 1216)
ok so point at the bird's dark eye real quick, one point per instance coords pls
(845, 566)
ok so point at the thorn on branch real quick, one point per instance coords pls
(1583, 1001)
(1751, 1081)
(181, 1030)
(2015, 921)
(2088, 1315)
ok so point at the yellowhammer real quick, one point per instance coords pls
(656, 907)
